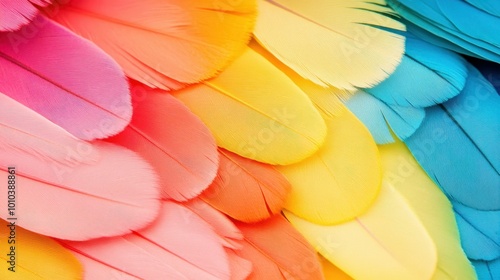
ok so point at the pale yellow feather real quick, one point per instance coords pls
(432, 207)
(388, 242)
(341, 180)
(332, 43)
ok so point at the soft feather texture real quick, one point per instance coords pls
(36, 257)
(490, 70)
(256, 111)
(332, 272)
(46, 72)
(345, 44)
(26, 131)
(230, 235)
(457, 145)
(432, 208)
(446, 19)
(178, 245)
(246, 190)
(340, 181)
(164, 44)
(16, 13)
(240, 268)
(488, 270)
(112, 196)
(177, 144)
(382, 119)
(278, 251)
(427, 75)
(479, 232)
(491, 6)
(392, 245)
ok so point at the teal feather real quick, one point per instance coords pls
(457, 145)
(487, 270)
(428, 75)
(489, 6)
(445, 18)
(380, 118)
(479, 232)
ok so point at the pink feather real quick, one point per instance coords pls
(229, 233)
(69, 188)
(45, 71)
(16, 13)
(178, 245)
(173, 140)
(240, 267)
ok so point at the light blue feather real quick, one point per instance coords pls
(428, 75)
(479, 232)
(457, 21)
(487, 270)
(489, 6)
(457, 145)
(377, 116)
(490, 70)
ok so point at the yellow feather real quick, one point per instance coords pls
(388, 242)
(340, 181)
(431, 206)
(37, 257)
(256, 111)
(343, 178)
(332, 272)
(330, 42)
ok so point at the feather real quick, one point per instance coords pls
(390, 244)
(488, 270)
(340, 181)
(173, 140)
(479, 232)
(446, 19)
(278, 251)
(26, 131)
(492, 7)
(178, 245)
(443, 43)
(246, 190)
(432, 208)
(457, 145)
(332, 272)
(47, 74)
(115, 195)
(427, 75)
(35, 257)
(345, 44)
(229, 233)
(240, 268)
(164, 44)
(381, 118)
(490, 70)
(17, 13)
(270, 116)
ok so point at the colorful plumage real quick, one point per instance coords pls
(237, 139)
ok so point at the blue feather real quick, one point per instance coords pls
(428, 75)
(490, 70)
(377, 116)
(457, 144)
(445, 18)
(487, 270)
(489, 6)
(443, 43)
(479, 232)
